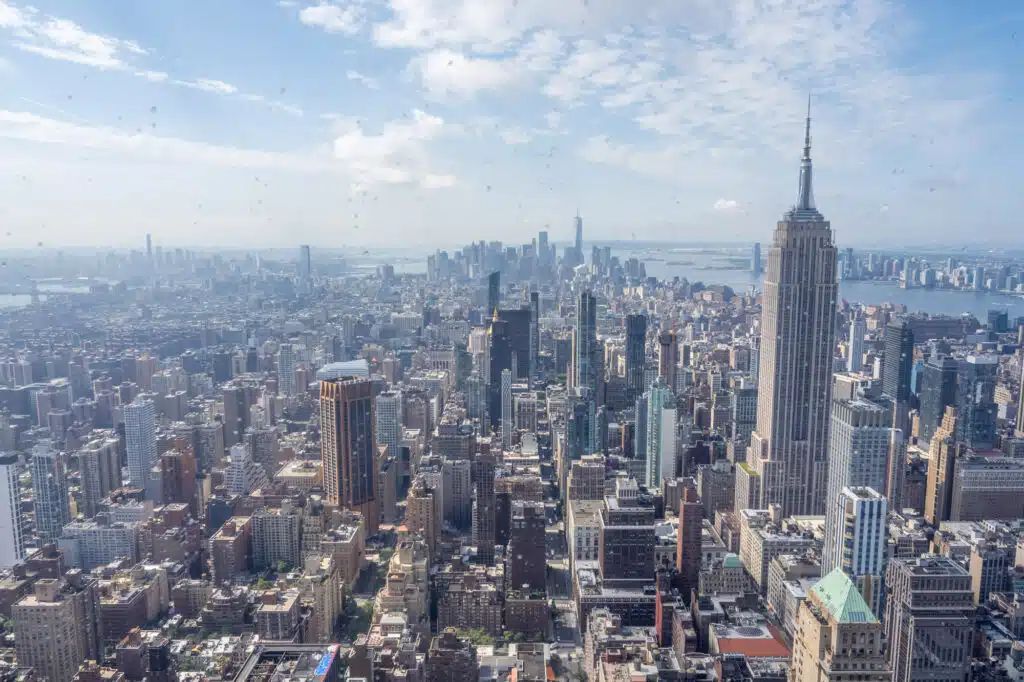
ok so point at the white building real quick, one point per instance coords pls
(661, 436)
(243, 474)
(286, 369)
(49, 492)
(90, 544)
(12, 537)
(387, 410)
(506, 409)
(140, 439)
(861, 545)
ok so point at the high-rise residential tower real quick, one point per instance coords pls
(787, 457)
(49, 492)
(286, 369)
(755, 259)
(347, 446)
(140, 439)
(12, 524)
(499, 356)
(661, 436)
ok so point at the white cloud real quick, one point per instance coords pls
(333, 18)
(212, 85)
(395, 155)
(33, 128)
(445, 72)
(726, 205)
(553, 119)
(152, 76)
(358, 77)
(516, 136)
(433, 181)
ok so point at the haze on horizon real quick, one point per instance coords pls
(441, 122)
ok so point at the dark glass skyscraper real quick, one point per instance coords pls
(500, 353)
(976, 405)
(517, 329)
(938, 391)
(493, 292)
(534, 337)
(584, 344)
(898, 361)
(636, 355)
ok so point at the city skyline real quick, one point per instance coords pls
(611, 110)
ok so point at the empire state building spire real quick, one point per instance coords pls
(805, 199)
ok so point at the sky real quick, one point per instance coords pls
(270, 123)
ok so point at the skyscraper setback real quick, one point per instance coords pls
(787, 462)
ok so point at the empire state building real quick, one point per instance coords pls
(787, 459)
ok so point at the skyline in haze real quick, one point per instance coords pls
(438, 122)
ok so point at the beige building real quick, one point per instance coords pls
(838, 637)
(57, 628)
(323, 590)
(762, 538)
(301, 474)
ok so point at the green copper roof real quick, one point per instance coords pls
(841, 597)
(731, 561)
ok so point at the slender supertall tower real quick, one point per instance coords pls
(787, 456)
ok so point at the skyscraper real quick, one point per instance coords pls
(787, 456)
(506, 409)
(668, 357)
(898, 361)
(100, 473)
(1020, 403)
(286, 369)
(534, 339)
(49, 492)
(857, 543)
(518, 332)
(976, 406)
(755, 259)
(388, 420)
(661, 436)
(493, 292)
(858, 328)
(579, 237)
(140, 439)
(305, 269)
(938, 391)
(858, 456)
(484, 509)
(12, 524)
(499, 350)
(688, 539)
(929, 619)
(584, 344)
(636, 354)
(346, 446)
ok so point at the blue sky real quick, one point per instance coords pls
(264, 123)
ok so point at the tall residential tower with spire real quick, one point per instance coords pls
(787, 458)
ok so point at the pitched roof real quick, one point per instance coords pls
(843, 600)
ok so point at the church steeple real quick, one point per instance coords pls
(805, 198)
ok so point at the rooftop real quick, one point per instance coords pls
(842, 599)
